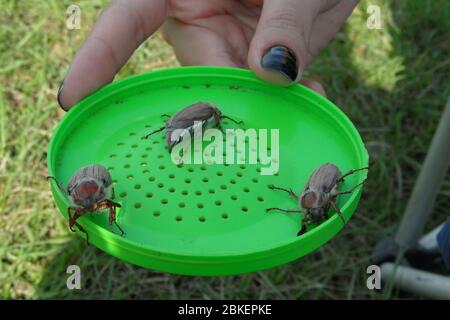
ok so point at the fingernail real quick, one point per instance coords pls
(58, 95)
(281, 59)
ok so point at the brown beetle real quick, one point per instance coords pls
(89, 190)
(319, 194)
(207, 114)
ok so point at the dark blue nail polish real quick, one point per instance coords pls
(281, 59)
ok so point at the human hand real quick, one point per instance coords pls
(275, 39)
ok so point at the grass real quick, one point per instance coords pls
(392, 83)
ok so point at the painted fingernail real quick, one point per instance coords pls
(281, 59)
(58, 95)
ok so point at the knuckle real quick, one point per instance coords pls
(138, 20)
(283, 20)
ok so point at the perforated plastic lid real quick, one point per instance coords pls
(203, 219)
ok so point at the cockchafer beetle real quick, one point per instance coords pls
(319, 194)
(89, 190)
(207, 114)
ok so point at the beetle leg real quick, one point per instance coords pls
(219, 126)
(71, 222)
(57, 183)
(112, 203)
(166, 115)
(351, 172)
(153, 132)
(111, 217)
(338, 211)
(95, 208)
(82, 230)
(227, 117)
(112, 214)
(351, 190)
(306, 219)
(302, 230)
(121, 230)
(284, 210)
(115, 222)
(291, 193)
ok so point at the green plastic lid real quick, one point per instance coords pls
(204, 219)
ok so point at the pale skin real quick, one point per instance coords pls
(235, 33)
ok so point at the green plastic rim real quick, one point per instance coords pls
(206, 219)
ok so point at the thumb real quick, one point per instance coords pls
(279, 49)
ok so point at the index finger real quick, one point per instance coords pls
(121, 28)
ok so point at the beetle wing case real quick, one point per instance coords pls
(94, 171)
(185, 118)
(205, 113)
(324, 178)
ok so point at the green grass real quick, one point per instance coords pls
(392, 83)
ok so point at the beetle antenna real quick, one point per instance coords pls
(153, 132)
(290, 192)
(57, 183)
(338, 211)
(237, 122)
